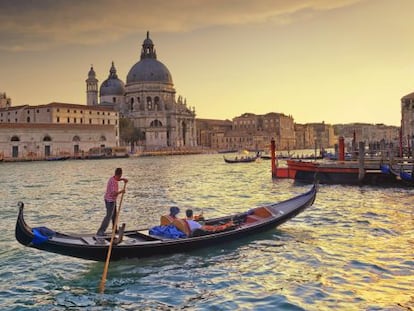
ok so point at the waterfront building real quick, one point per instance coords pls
(210, 133)
(248, 131)
(324, 135)
(407, 119)
(304, 136)
(256, 131)
(37, 132)
(370, 134)
(148, 99)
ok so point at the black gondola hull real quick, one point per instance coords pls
(138, 245)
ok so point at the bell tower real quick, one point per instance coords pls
(91, 88)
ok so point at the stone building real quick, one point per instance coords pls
(370, 134)
(324, 135)
(148, 98)
(304, 136)
(210, 133)
(248, 131)
(56, 129)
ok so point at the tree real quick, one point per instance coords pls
(129, 133)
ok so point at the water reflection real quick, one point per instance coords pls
(352, 250)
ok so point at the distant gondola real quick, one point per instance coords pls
(139, 243)
(240, 159)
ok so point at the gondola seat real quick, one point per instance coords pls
(262, 212)
(182, 225)
(165, 220)
(258, 214)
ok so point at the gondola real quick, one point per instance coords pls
(139, 243)
(240, 159)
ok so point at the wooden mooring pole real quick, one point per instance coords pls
(361, 162)
(273, 157)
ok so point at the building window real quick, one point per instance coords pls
(27, 120)
(57, 119)
(74, 120)
(68, 120)
(90, 121)
(109, 121)
(103, 122)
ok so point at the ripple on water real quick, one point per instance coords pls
(352, 250)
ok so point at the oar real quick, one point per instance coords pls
(108, 256)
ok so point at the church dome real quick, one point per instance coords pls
(112, 85)
(149, 69)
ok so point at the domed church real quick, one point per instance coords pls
(148, 99)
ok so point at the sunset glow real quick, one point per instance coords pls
(337, 61)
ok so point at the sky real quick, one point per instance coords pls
(332, 61)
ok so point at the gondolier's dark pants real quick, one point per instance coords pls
(110, 214)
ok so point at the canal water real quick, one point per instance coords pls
(352, 250)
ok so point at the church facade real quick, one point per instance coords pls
(148, 99)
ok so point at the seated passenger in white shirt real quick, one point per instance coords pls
(194, 225)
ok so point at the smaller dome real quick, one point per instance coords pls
(112, 85)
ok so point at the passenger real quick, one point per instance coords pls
(196, 226)
(168, 219)
(192, 224)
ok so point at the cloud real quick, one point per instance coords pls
(38, 25)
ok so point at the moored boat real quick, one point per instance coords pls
(339, 172)
(140, 243)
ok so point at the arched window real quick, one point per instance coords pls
(76, 138)
(15, 138)
(47, 138)
(157, 103)
(28, 120)
(156, 123)
(102, 138)
(149, 103)
(132, 104)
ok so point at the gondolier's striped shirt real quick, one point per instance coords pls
(111, 190)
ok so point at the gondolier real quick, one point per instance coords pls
(139, 243)
(111, 194)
